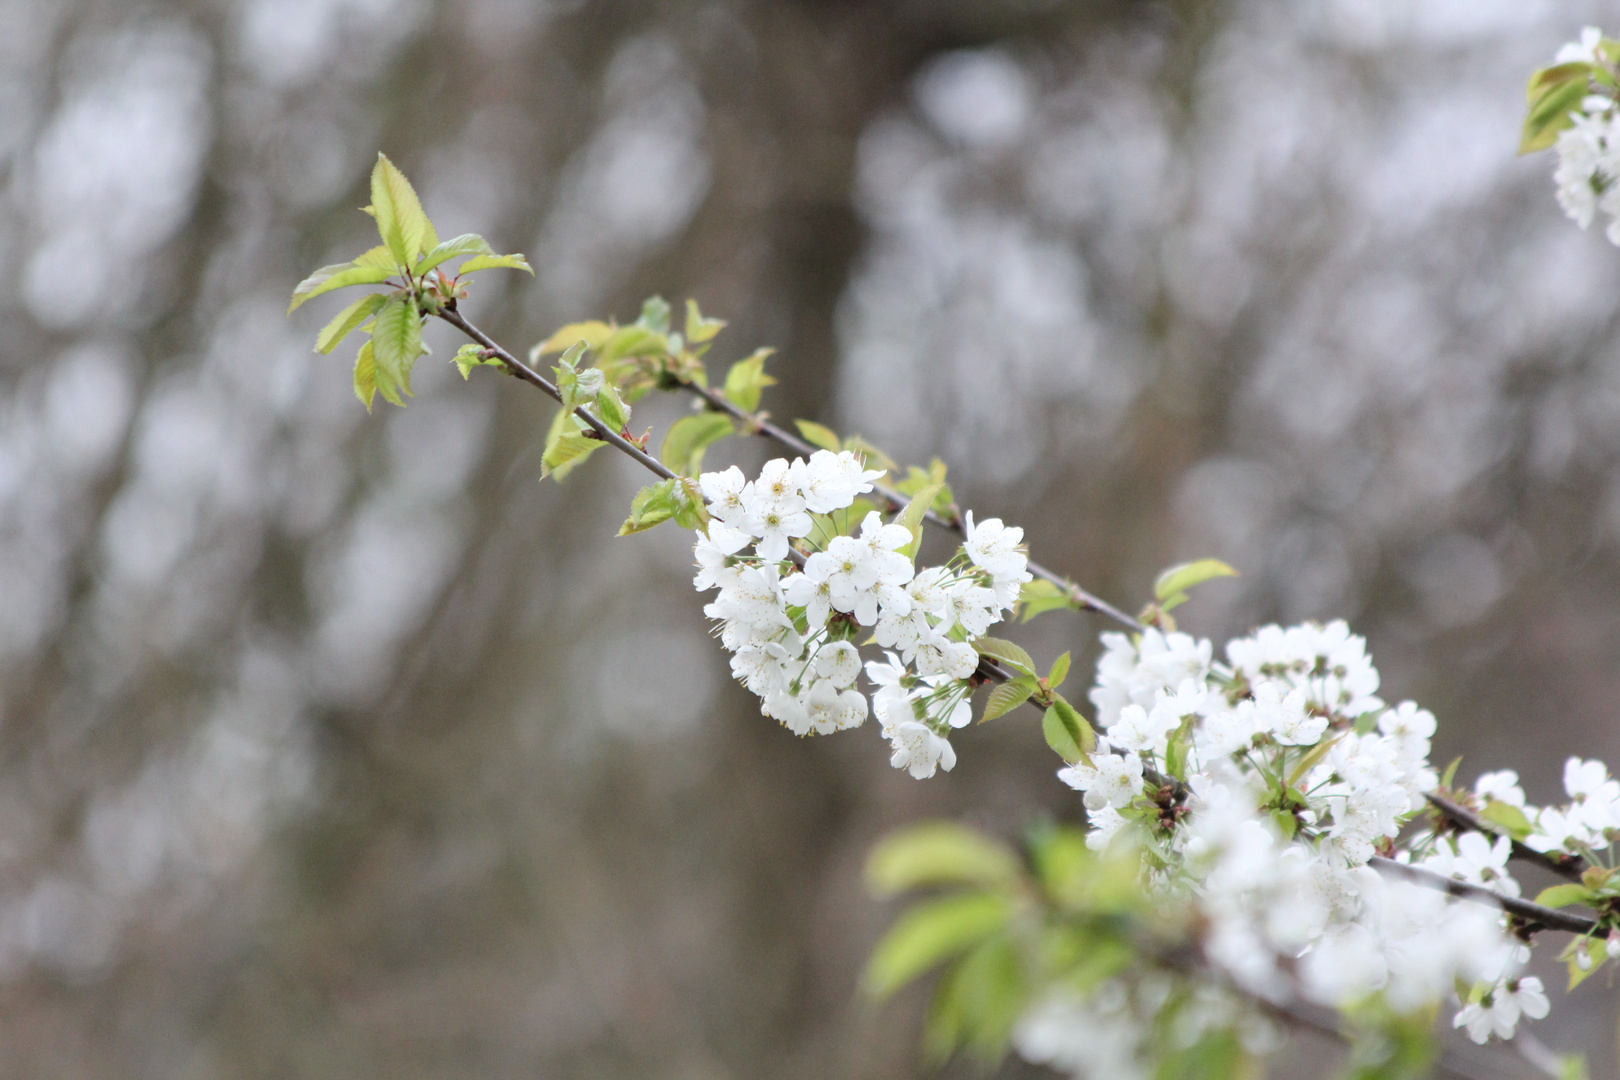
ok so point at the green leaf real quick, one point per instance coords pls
(591, 333)
(1557, 92)
(978, 1001)
(1059, 672)
(1312, 759)
(1067, 732)
(700, 329)
(397, 339)
(404, 228)
(632, 341)
(653, 505)
(912, 518)
(365, 374)
(336, 276)
(1557, 896)
(612, 409)
(654, 315)
(566, 452)
(1286, 822)
(1175, 751)
(1598, 953)
(465, 244)
(1171, 587)
(1005, 651)
(377, 258)
(470, 356)
(1008, 696)
(817, 435)
(938, 853)
(688, 438)
(746, 379)
(346, 320)
(1509, 817)
(494, 262)
(1450, 773)
(929, 934)
(1038, 597)
(690, 512)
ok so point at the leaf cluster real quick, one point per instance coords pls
(1556, 92)
(413, 262)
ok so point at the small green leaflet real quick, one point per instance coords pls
(912, 517)
(689, 436)
(465, 244)
(404, 228)
(365, 375)
(1508, 817)
(652, 505)
(817, 435)
(493, 262)
(1038, 597)
(698, 328)
(1552, 94)
(397, 340)
(337, 276)
(929, 934)
(1059, 672)
(346, 321)
(1008, 696)
(1171, 587)
(591, 333)
(1005, 651)
(470, 356)
(1558, 896)
(938, 853)
(746, 379)
(1067, 732)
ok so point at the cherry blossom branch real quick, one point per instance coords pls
(1565, 866)
(758, 424)
(1535, 916)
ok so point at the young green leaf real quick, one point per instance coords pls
(1038, 597)
(332, 277)
(746, 379)
(912, 518)
(654, 315)
(404, 228)
(689, 437)
(931, 933)
(566, 452)
(938, 853)
(1005, 651)
(817, 435)
(1450, 773)
(632, 340)
(1067, 732)
(365, 374)
(470, 356)
(1171, 587)
(1557, 896)
(698, 328)
(1008, 696)
(591, 333)
(977, 1003)
(397, 339)
(1059, 672)
(465, 244)
(1552, 94)
(1509, 817)
(652, 505)
(346, 321)
(495, 262)
(612, 409)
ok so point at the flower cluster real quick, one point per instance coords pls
(1589, 149)
(1276, 776)
(791, 607)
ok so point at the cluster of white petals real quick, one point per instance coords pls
(790, 611)
(1589, 150)
(1258, 789)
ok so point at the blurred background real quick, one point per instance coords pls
(337, 746)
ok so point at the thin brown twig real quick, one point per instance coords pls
(1565, 866)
